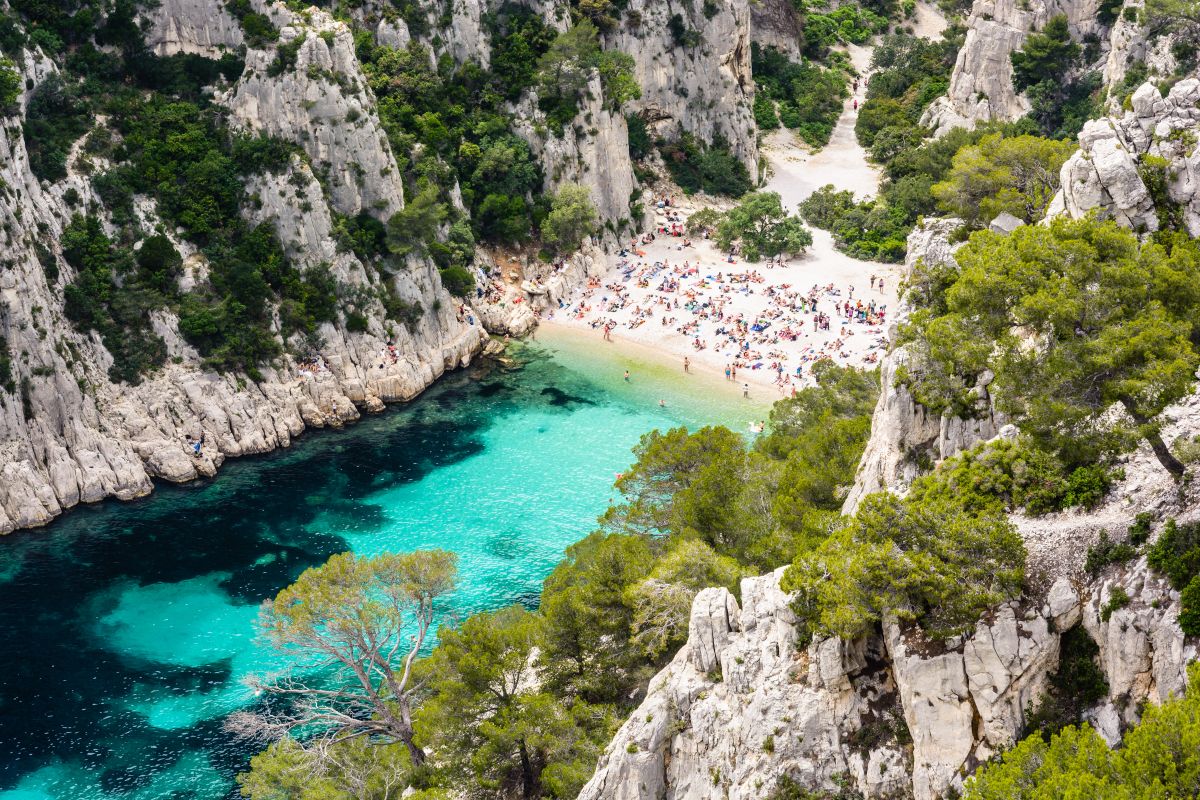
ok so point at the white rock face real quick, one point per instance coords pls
(739, 706)
(324, 105)
(593, 152)
(202, 27)
(775, 23)
(707, 89)
(981, 87)
(1105, 173)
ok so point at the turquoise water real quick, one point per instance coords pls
(129, 628)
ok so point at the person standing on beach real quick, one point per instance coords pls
(745, 390)
(627, 376)
(726, 372)
(687, 364)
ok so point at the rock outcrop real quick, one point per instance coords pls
(1108, 173)
(740, 706)
(202, 27)
(890, 715)
(981, 88)
(705, 89)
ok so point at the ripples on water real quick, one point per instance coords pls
(127, 628)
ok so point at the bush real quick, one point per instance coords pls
(1176, 554)
(709, 168)
(1189, 607)
(285, 56)
(681, 34)
(56, 116)
(458, 281)
(572, 218)
(809, 96)
(998, 476)
(10, 84)
(1139, 531)
(928, 560)
(107, 297)
(1106, 552)
(1087, 486)
(640, 144)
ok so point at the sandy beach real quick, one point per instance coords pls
(768, 322)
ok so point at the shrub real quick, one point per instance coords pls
(681, 34)
(1139, 531)
(1176, 554)
(809, 96)
(1118, 598)
(998, 476)
(572, 218)
(458, 281)
(1087, 486)
(285, 56)
(10, 84)
(106, 297)
(1189, 610)
(639, 137)
(1106, 552)
(56, 116)
(925, 559)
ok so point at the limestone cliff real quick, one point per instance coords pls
(981, 87)
(906, 437)
(69, 435)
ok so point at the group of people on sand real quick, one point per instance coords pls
(697, 302)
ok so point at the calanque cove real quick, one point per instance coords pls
(599, 399)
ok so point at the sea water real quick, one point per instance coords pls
(127, 629)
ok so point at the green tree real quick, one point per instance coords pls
(1073, 317)
(617, 80)
(662, 602)
(682, 481)
(928, 561)
(565, 69)
(1018, 175)
(1046, 55)
(488, 716)
(351, 770)
(1181, 17)
(763, 228)
(1044, 70)
(415, 227)
(587, 617)
(572, 218)
(10, 84)
(160, 263)
(366, 619)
